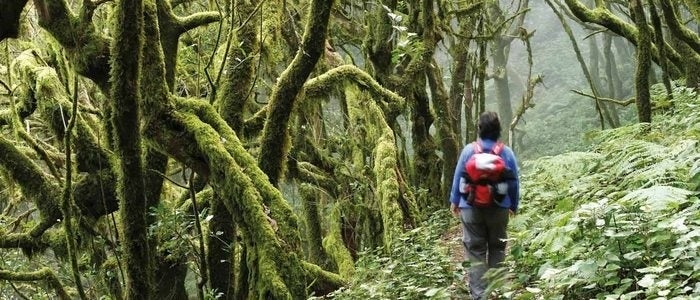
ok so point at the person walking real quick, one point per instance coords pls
(485, 193)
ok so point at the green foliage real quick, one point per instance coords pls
(616, 223)
(417, 266)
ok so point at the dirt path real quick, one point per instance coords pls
(453, 239)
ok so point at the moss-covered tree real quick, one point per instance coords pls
(641, 76)
(278, 110)
(126, 114)
(682, 56)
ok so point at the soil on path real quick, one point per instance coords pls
(452, 238)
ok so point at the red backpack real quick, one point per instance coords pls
(483, 179)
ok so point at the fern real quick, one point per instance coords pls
(621, 221)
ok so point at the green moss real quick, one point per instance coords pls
(271, 196)
(605, 18)
(56, 239)
(278, 269)
(275, 140)
(339, 76)
(694, 8)
(323, 282)
(314, 234)
(334, 246)
(240, 68)
(378, 136)
(126, 115)
(643, 99)
(44, 274)
(31, 180)
(274, 22)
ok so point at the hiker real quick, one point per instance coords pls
(485, 193)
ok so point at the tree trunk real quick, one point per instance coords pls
(687, 42)
(10, 12)
(659, 40)
(447, 134)
(605, 18)
(594, 56)
(613, 79)
(125, 70)
(314, 234)
(500, 80)
(643, 62)
(458, 85)
(234, 94)
(275, 139)
(220, 248)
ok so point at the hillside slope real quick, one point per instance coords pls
(618, 221)
(621, 221)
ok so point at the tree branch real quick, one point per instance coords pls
(678, 29)
(31, 179)
(10, 12)
(319, 85)
(581, 61)
(529, 92)
(615, 101)
(87, 49)
(198, 19)
(41, 274)
(275, 138)
(175, 3)
(605, 18)
(23, 241)
(314, 175)
(323, 282)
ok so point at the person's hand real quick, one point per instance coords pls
(511, 213)
(455, 209)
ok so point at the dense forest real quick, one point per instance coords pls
(253, 149)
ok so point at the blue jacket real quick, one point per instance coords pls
(512, 197)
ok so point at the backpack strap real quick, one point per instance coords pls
(498, 148)
(478, 148)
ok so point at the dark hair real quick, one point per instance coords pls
(489, 126)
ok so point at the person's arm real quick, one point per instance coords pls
(514, 182)
(455, 196)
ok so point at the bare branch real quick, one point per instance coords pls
(4, 85)
(580, 59)
(615, 101)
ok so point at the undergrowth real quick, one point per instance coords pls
(418, 266)
(619, 222)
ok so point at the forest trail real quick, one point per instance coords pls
(452, 238)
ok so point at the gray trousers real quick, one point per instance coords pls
(484, 234)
